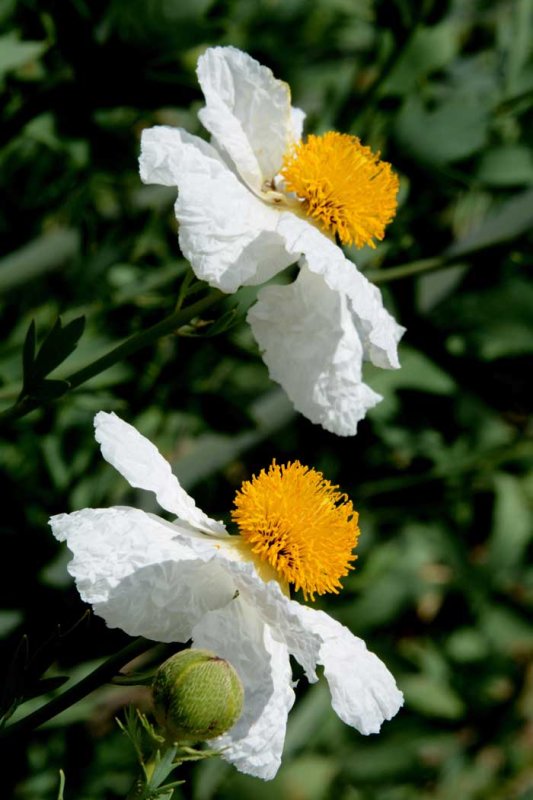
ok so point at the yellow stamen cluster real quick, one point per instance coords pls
(343, 185)
(298, 522)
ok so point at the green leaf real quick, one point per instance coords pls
(495, 322)
(9, 621)
(511, 219)
(47, 253)
(15, 53)
(28, 353)
(212, 451)
(164, 766)
(307, 719)
(432, 288)
(166, 792)
(417, 372)
(57, 346)
(456, 129)
(13, 689)
(380, 602)
(310, 777)
(47, 390)
(132, 728)
(46, 359)
(467, 645)
(512, 525)
(430, 49)
(432, 697)
(519, 49)
(45, 685)
(507, 631)
(510, 165)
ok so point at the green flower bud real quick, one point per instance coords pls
(197, 696)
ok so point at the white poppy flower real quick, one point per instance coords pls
(257, 199)
(190, 579)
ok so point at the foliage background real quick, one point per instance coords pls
(441, 469)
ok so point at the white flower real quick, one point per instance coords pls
(190, 579)
(254, 201)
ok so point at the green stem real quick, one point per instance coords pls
(99, 676)
(122, 351)
(138, 789)
(405, 270)
(140, 340)
(184, 288)
(155, 771)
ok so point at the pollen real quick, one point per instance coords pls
(301, 524)
(343, 185)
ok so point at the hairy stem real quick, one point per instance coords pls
(140, 340)
(127, 348)
(99, 676)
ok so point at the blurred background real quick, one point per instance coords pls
(440, 471)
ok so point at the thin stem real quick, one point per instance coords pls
(122, 351)
(405, 270)
(154, 771)
(100, 675)
(184, 288)
(137, 791)
(140, 340)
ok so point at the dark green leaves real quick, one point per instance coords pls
(59, 343)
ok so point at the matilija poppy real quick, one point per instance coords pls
(257, 199)
(191, 579)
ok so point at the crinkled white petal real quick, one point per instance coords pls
(255, 743)
(312, 348)
(247, 111)
(298, 119)
(363, 691)
(226, 232)
(378, 330)
(140, 572)
(165, 152)
(143, 466)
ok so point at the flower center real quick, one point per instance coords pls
(343, 185)
(300, 524)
